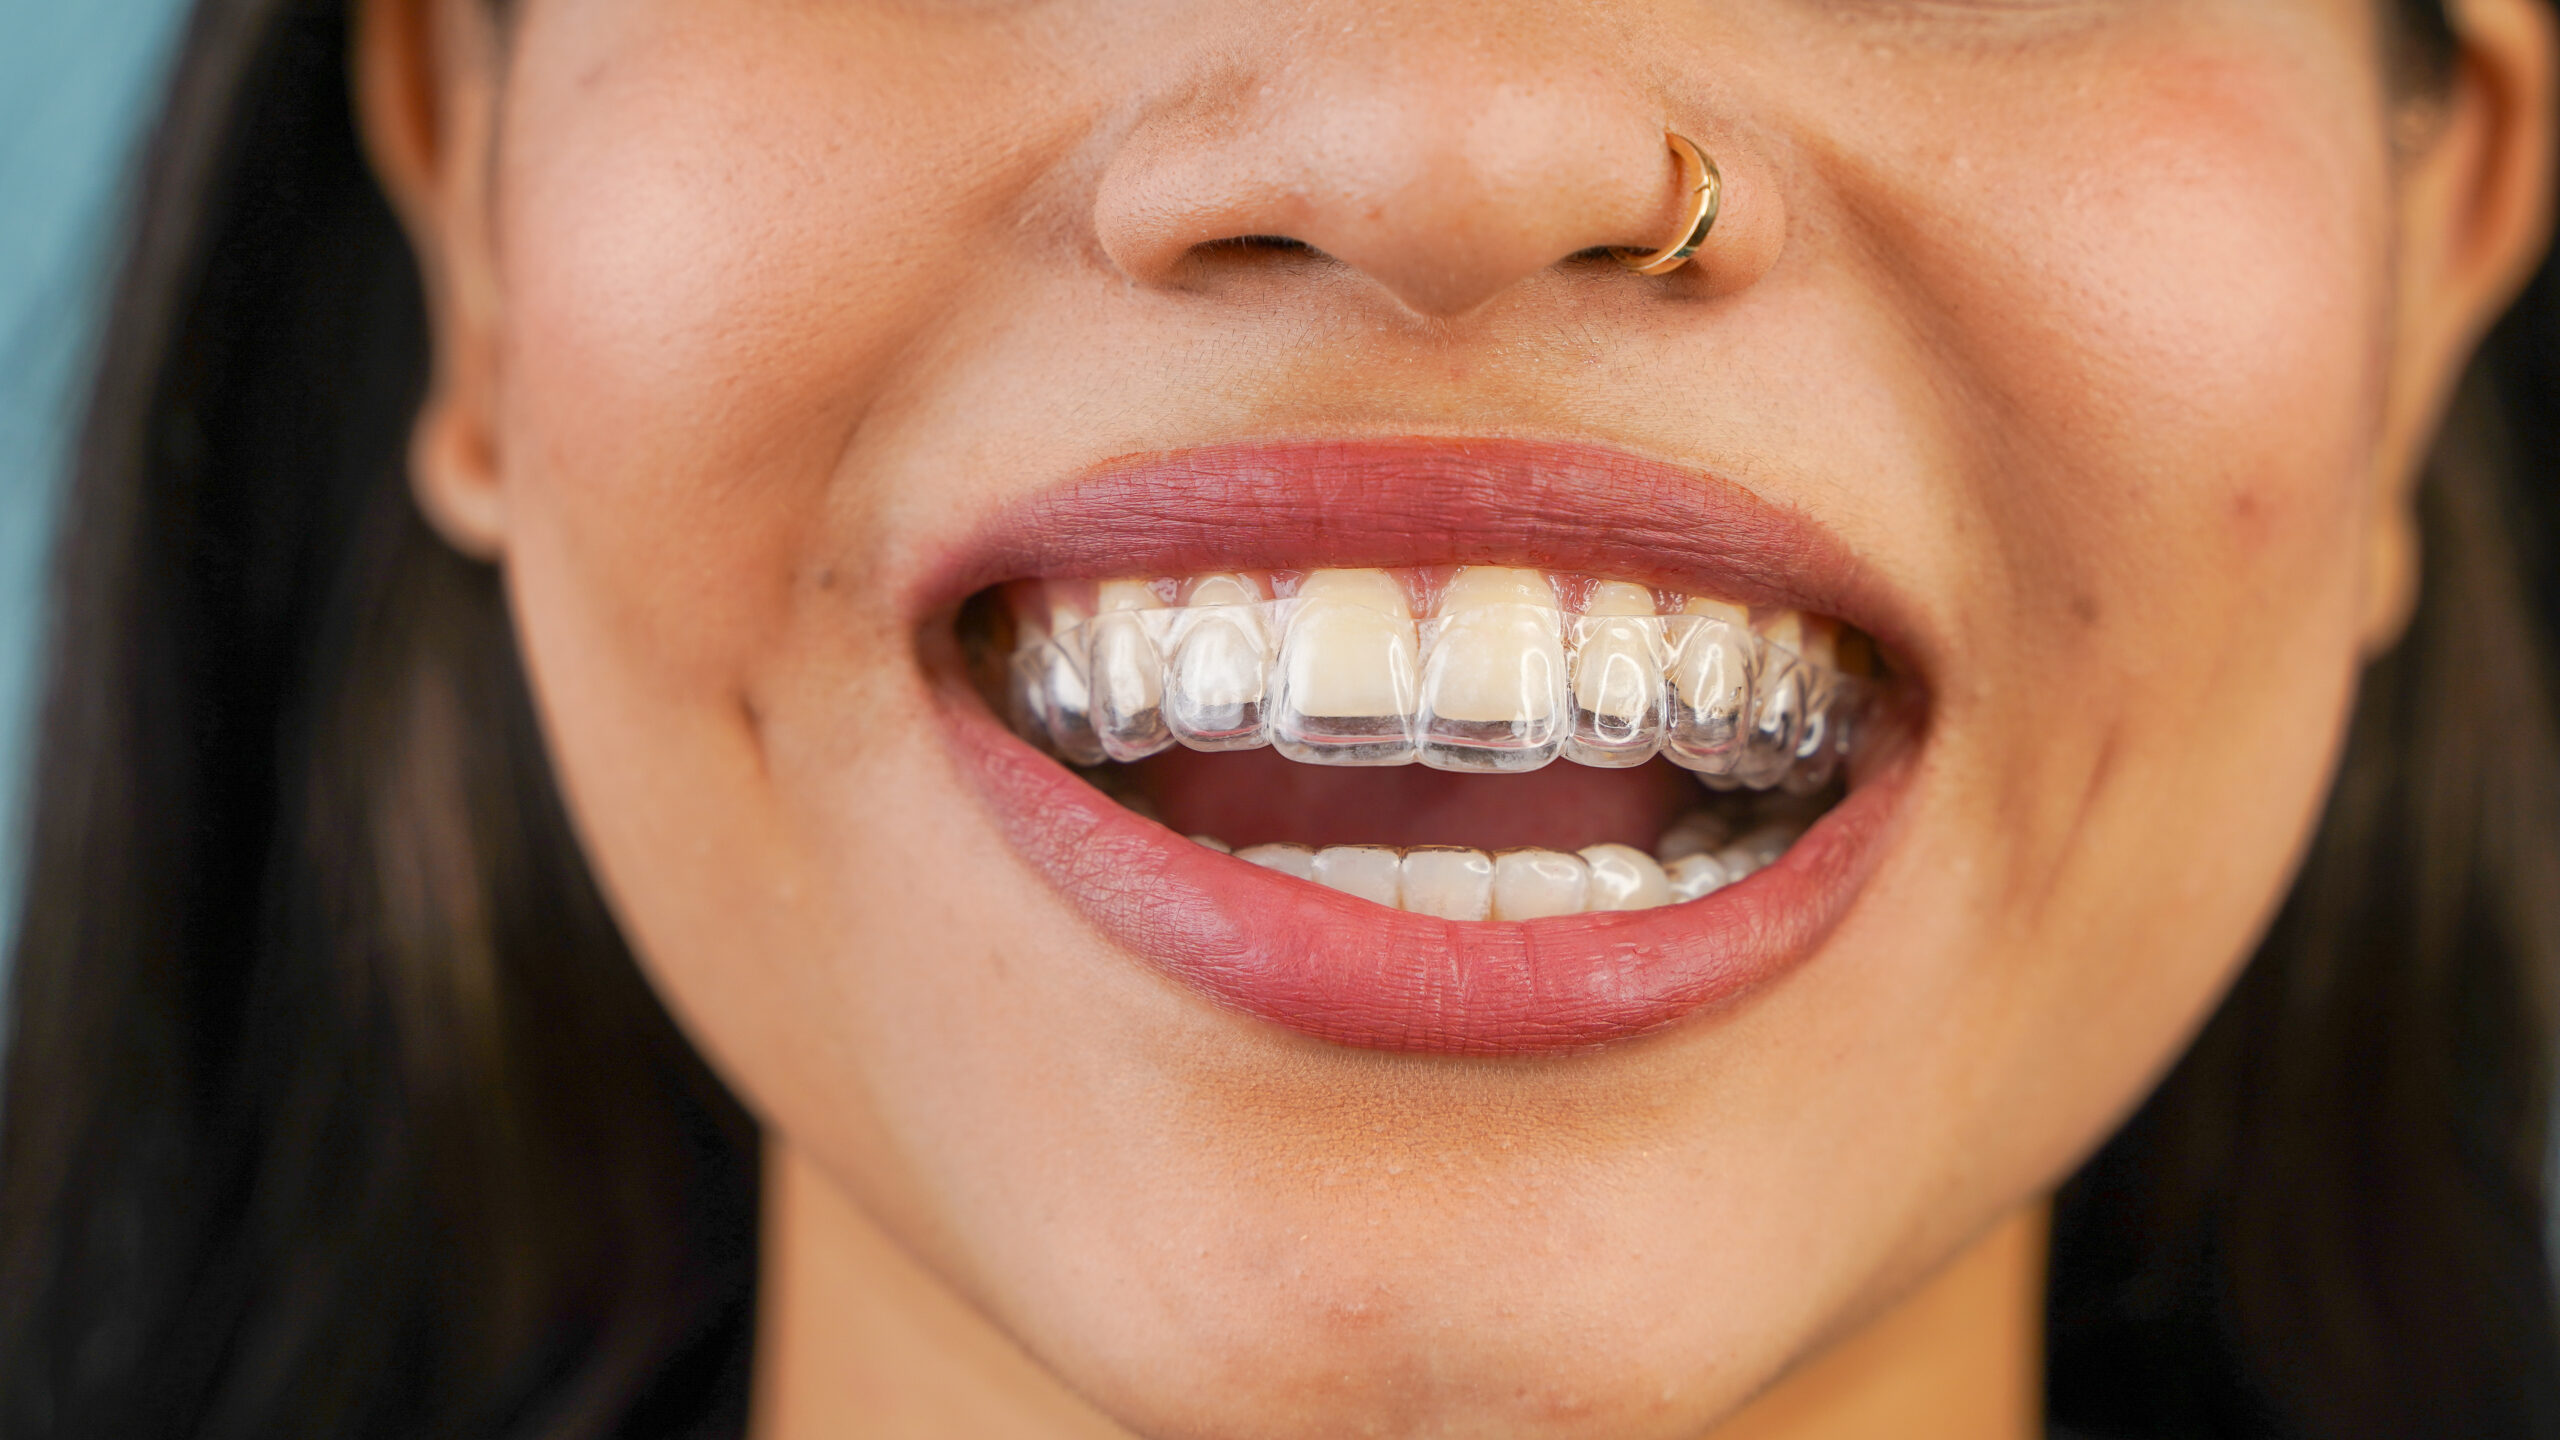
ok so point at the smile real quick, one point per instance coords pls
(1515, 784)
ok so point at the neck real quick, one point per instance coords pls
(856, 1338)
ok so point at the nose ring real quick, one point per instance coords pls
(1705, 186)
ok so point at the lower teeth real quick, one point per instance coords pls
(1700, 854)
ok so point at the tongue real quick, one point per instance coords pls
(1254, 797)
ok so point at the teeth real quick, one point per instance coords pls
(1294, 860)
(1777, 714)
(1348, 672)
(1212, 592)
(1067, 702)
(1451, 883)
(1617, 678)
(1493, 693)
(1783, 627)
(1822, 737)
(1126, 673)
(1214, 699)
(1534, 884)
(1699, 832)
(1711, 689)
(1693, 876)
(1372, 872)
(1500, 679)
(1758, 850)
(1456, 883)
(1624, 878)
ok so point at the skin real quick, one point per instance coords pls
(2110, 333)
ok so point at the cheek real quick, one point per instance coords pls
(2176, 356)
(2145, 326)
(713, 264)
(713, 269)
(2173, 315)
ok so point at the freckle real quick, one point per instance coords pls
(2084, 608)
(826, 577)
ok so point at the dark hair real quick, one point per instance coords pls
(337, 1106)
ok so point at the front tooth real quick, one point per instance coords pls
(1617, 678)
(1348, 681)
(1296, 860)
(1126, 673)
(1624, 878)
(1207, 591)
(1493, 692)
(1710, 689)
(1214, 700)
(1212, 842)
(1372, 872)
(1452, 883)
(1534, 884)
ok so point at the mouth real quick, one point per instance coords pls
(1492, 748)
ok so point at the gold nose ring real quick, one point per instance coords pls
(1705, 186)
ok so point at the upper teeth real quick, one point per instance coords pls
(1333, 668)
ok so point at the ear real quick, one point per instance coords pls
(426, 74)
(2474, 217)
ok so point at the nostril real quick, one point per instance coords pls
(1250, 252)
(1262, 242)
(1238, 256)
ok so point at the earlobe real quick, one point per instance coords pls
(454, 475)
(2391, 579)
(425, 73)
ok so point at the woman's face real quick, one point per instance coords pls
(2074, 352)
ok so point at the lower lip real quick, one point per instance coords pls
(1347, 971)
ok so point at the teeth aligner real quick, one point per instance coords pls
(1502, 679)
(1348, 672)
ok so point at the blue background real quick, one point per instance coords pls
(76, 84)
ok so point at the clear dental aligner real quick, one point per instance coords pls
(1483, 669)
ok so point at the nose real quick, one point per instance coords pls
(1446, 159)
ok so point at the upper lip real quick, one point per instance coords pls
(1339, 503)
